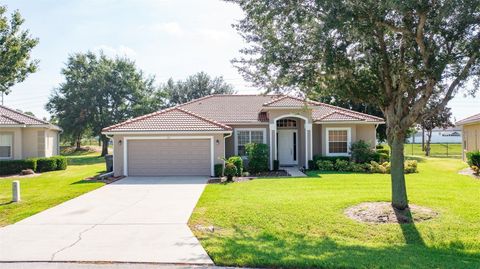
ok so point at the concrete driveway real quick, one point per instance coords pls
(137, 219)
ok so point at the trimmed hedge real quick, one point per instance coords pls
(46, 164)
(218, 170)
(257, 157)
(11, 167)
(473, 160)
(61, 162)
(332, 159)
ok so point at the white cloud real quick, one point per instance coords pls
(122, 51)
(171, 28)
(214, 35)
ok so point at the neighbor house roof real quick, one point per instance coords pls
(472, 119)
(10, 117)
(171, 119)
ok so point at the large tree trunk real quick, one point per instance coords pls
(105, 141)
(399, 190)
(78, 143)
(429, 139)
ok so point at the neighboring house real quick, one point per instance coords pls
(452, 135)
(190, 138)
(470, 133)
(24, 136)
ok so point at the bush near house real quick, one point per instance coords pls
(257, 157)
(218, 170)
(276, 165)
(10, 167)
(473, 160)
(230, 171)
(372, 167)
(238, 162)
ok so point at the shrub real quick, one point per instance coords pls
(380, 157)
(311, 165)
(325, 165)
(387, 167)
(218, 170)
(61, 162)
(379, 146)
(385, 151)
(276, 165)
(358, 167)
(342, 165)
(333, 159)
(46, 164)
(361, 152)
(238, 162)
(410, 166)
(473, 160)
(10, 167)
(377, 168)
(257, 157)
(230, 171)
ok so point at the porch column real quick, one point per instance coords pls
(308, 143)
(273, 142)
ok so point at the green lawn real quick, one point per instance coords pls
(49, 189)
(299, 222)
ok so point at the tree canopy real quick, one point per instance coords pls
(195, 86)
(395, 55)
(438, 119)
(16, 45)
(98, 92)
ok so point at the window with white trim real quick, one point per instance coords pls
(6, 145)
(245, 136)
(338, 141)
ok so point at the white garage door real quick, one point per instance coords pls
(168, 157)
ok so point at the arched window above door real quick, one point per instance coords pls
(286, 123)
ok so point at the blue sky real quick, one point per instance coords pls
(166, 38)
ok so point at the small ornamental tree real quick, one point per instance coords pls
(437, 119)
(394, 55)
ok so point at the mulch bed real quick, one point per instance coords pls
(279, 173)
(383, 212)
(468, 172)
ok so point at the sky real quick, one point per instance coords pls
(166, 38)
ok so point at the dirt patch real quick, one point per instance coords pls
(383, 212)
(468, 172)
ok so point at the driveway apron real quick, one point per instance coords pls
(136, 219)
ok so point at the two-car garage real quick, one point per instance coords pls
(168, 156)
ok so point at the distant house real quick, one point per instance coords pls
(451, 135)
(471, 133)
(24, 136)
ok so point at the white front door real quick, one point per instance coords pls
(287, 147)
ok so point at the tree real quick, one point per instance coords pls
(395, 55)
(438, 119)
(15, 48)
(99, 92)
(195, 86)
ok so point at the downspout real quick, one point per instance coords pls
(376, 127)
(113, 150)
(224, 145)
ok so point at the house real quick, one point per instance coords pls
(189, 139)
(24, 136)
(470, 133)
(451, 135)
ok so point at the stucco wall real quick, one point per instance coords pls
(26, 142)
(366, 132)
(51, 143)
(118, 149)
(30, 144)
(230, 141)
(471, 137)
(317, 139)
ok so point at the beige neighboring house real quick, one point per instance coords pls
(23, 136)
(470, 133)
(190, 138)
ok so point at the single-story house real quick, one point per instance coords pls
(470, 133)
(23, 136)
(190, 138)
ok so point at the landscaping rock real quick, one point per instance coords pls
(27, 172)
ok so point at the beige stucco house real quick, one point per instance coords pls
(190, 138)
(470, 133)
(23, 136)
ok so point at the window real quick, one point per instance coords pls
(338, 141)
(245, 136)
(6, 144)
(286, 123)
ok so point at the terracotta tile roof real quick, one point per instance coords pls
(231, 108)
(290, 101)
(472, 119)
(10, 116)
(171, 119)
(326, 112)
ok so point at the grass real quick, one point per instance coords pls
(436, 150)
(300, 222)
(49, 189)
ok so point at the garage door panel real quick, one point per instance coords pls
(169, 157)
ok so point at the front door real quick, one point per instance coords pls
(287, 147)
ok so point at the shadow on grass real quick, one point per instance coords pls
(6, 203)
(85, 160)
(290, 250)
